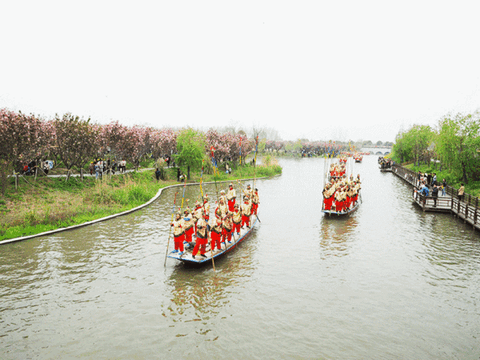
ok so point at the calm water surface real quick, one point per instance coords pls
(389, 282)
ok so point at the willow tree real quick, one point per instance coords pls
(458, 144)
(414, 143)
(190, 149)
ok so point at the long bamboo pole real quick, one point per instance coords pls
(203, 205)
(170, 232)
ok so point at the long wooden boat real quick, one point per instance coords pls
(186, 257)
(344, 213)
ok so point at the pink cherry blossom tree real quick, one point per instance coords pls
(23, 138)
(76, 140)
(134, 145)
(163, 142)
(111, 137)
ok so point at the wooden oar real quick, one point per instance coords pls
(203, 205)
(183, 195)
(170, 232)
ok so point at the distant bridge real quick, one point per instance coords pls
(377, 150)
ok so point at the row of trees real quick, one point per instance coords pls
(76, 141)
(455, 142)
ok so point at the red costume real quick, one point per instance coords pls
(178, 234)
(201, 241)
(246, 212)
(216, 236)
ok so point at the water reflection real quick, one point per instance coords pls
(453, 252)
(334, 235)
(202, 292)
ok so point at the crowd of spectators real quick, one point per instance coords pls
(31, 167)
(101, 166)
(385, 163)
(427, 183)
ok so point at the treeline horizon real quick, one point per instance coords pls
(75, 141)
(454, 143)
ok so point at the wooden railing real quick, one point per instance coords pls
(430, 203)
(466, 209)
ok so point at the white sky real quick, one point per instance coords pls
(320, 70)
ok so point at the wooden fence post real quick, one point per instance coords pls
(451, 197)
(475, 214)
(458, 205)
(466, 208)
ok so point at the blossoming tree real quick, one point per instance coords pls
(76, 140)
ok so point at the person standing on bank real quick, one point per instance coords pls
(461, 192)
(444, 187)
(435, 195)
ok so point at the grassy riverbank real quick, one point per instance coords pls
(51, 203)
(472, 188)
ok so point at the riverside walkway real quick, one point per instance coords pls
(466, 208)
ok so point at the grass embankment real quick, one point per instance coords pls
(472, 187)
(52, 203)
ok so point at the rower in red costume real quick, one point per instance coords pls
(202, 237)
(255, 202)
(237, 219)
(227, 225)
(222, 208)
(246, 212)
(188, 226)
(216, 234)
(328, 196)
(197, 213)
(231, 196)
(178, 234)
(338, 200)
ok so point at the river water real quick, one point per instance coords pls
(389, 282)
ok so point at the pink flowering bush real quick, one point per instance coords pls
(228, 146)
(163, 142)
(76, 140)
(23, 138)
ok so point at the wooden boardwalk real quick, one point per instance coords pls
(428, 203)
(466, 208)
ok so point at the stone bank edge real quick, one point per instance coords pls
(73, 227)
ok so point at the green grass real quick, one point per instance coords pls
(52, 203)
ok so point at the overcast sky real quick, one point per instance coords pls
(319, 70)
